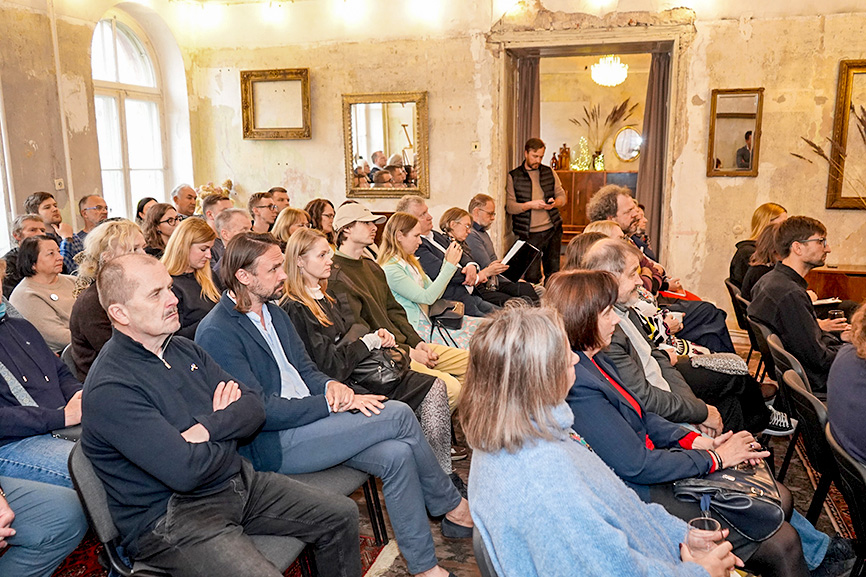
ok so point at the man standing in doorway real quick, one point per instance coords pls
(533, 198)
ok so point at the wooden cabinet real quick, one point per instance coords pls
(580, 186)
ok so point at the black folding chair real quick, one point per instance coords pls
(785, 361)
(852, 485)
(482, 558)
(761, 333)
(742, 320)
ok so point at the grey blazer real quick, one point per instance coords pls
(680, 405)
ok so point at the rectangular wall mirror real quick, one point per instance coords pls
(386, 133)
(735, 132)
(845, 188)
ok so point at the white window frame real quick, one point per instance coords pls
(123, 91)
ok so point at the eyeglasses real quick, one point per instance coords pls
(822, 240)
(491, 213)
(98, 208)
(326, 215)
(270, 206)
(463, 224)
(171, 221)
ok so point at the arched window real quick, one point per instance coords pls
(129, 117)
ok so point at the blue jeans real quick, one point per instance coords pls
(392, 447)
(41, 458)
(49, 524)
(813, 541)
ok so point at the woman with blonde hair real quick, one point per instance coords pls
(608, 228)
(88, 322)
(159, 223)
(766, 214)
(411, 286)
(187, 259)
(288, 221)
(337, 345)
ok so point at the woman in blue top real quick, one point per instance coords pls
(649, 452)
(543, 502)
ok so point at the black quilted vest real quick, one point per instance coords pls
(523, 193)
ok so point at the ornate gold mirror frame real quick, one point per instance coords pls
(417, 142)
(847, 190)
(275, 104)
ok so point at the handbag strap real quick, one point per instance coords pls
(706, 499)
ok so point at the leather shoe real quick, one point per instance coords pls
(451, 530)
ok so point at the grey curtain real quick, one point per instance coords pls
(650, 176)
(528, 104)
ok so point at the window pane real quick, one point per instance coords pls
(108, 132)
(143, 136)
(113, 193)
(146, 183)
(102, 53)
(132, 59)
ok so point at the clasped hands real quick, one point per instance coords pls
(341, 399)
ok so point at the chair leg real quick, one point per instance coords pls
(758, 375)
(818, 498)
(380, 517)
(859, 566)
(371, 511)
(307, 563)
(792, 445)
(749, 356)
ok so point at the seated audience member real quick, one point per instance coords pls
(48, 519)
(846, 384)
(411, 286)
(359, 178)
(159, 224)
(211, 207)
(288, 221)
(482, 211)
(312, 423)
(379, 161)
(93, 210)
(44, 296)
(382, 179)
(24, 226)
(141, 209)
(649, 452)
(89, 326)
(578, 246)
(187, 259)
(462, 286)
(321, 211)
(456, 224)
(780, 300)
(766, 214)
(281, 197)
(338, 346)
(263, 210)
(662, 381)
(184, 198)
(762, 260)
(10, 310)
(230, 222)
(360, 284)
(395, 159)
(398, 175)
(640, 238)
(44, 204)
(162, 425)
(542, 500)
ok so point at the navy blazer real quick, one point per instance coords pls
(24, 352)
(616, 432)
(431, 259)
(234, 342)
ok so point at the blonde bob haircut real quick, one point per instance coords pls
(176, 257)
(762, 217)
(401, 222)
(518, 372)
(300, 243)
(608, 228)
(288, 218)
(109, 240)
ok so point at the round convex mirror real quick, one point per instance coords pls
(627, 143)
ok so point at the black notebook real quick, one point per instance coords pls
(520, 257)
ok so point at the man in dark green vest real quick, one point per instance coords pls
(533, 197)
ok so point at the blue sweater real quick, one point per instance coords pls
(846, 401)
(554, 509)
(24, 352)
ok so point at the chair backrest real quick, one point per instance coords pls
(761, 332)
(851, 482)
(739, 311)
(66, 357)
(812, 416)
(785, 361)
(92, 493)
(742, 305)
(482, 558)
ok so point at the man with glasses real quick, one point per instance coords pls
(780, 300)
(93, 210)
(263, 210)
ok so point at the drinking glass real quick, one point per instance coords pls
(703, 535)
(836, 314)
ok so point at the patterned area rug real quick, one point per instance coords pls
(83, 561)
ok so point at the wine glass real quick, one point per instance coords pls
(836, 314)
(703, 535)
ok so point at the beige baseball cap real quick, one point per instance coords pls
(353, 212)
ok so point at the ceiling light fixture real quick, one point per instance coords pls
(609, 71)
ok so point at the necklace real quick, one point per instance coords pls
(577, 438)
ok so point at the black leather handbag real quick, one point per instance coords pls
(746, 497)
(447, 314)
(382, 370)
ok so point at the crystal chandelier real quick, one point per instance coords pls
(609, 71)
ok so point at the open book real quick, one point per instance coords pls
(519, 258)
(829, 301)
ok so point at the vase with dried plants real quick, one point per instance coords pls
(842, 173)
(600, 128)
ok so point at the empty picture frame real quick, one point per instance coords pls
(276, 104)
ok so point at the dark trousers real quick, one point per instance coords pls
(737, 397)
(703, 323)
(206, 535)
(549, 242)
(507, 290)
